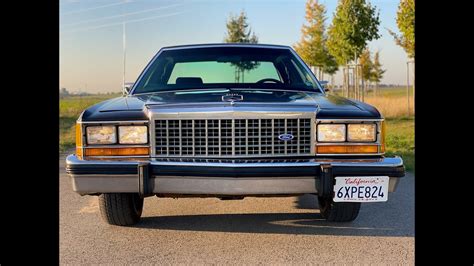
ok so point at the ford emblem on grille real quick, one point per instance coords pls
(232, 97)
(286, 137)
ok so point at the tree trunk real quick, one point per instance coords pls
(363, 89)
(356, 78)
(376, 88)
(344, 81)
(332, 81)
(408, 89)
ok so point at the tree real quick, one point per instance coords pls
(354, 24)
(312, 46)
(238, 31)
(63, 92)
(365, 64)
(377, 72)
(406, 25)
(331, 67)
(365, 68)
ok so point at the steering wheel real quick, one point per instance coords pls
(269, 80)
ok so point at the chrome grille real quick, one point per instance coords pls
(232, 137)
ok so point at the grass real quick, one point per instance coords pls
(70, 108)
(391, 102)
(400, 139)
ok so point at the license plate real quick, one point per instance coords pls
(361, 189)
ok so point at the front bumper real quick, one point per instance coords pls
(222, 177)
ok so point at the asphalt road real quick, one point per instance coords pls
(250, 231)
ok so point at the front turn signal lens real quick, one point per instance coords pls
(117, 151)
(347, 149)
(78, 140)
(382, 142)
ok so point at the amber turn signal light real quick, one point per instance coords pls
(116, 151)
(78, 140)
(382, 148)
(349, 149)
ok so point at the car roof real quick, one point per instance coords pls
(210, 45)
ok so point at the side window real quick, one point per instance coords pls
(305, 77)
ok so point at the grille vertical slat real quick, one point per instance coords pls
(232, 137)
(273, 140)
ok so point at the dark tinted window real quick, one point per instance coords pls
(226, 67)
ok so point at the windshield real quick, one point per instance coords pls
(226, 67)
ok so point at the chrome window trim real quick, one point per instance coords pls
(193, 46)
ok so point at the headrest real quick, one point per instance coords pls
(188, 81)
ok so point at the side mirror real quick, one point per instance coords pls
(324, 83)
(127, 87)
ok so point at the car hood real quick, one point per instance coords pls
(133, 107)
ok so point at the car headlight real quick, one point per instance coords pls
(331, 132)
(133, 134)
(361, 132)
(101, 135)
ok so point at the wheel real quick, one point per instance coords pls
(121, 208)
(338, 211)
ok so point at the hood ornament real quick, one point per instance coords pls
(232, 98)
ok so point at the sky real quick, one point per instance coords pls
(91, 39)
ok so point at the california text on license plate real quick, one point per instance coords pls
(361, 189)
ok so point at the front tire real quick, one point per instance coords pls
(338, 211)
(121, 208)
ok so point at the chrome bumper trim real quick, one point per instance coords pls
(382, 162)
(104, 182)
